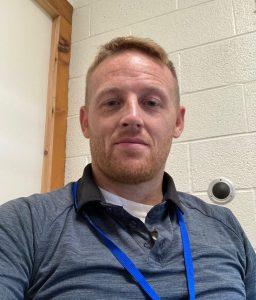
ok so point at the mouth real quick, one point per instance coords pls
(132, 145)
(131, 141)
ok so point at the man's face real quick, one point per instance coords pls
(132, 117)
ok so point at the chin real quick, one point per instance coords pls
(131, 173)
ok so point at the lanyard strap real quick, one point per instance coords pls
(127, 263)
(187, 256)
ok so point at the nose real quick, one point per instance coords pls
(132, 115)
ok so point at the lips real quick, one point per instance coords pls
(131, 141)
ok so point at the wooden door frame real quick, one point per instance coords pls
(53, 170)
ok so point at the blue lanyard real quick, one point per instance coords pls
(127, 263)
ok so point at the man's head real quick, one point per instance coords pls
(132, 112)
(122, 44)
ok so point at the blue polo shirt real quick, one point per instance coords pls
(48, 251)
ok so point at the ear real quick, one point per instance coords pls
(84, 121)
(179, 126)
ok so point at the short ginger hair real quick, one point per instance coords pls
(121, 44)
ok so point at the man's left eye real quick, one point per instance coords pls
(151, 102)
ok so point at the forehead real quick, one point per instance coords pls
(131, 66)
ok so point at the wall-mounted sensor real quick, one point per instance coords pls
(221, 190)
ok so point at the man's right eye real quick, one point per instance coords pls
(112, 102)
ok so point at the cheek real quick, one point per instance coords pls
(165, 130)
(100, 134)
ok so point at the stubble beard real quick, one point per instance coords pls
(128, 170)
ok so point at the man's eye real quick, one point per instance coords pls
(151, 102)
(112, 102)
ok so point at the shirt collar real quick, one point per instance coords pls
(170, 192)
(88, 191)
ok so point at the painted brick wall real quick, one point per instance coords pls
(213, 46)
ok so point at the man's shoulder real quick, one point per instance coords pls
(47, 205)
(218, 213)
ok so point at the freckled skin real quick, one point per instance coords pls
(132, 117)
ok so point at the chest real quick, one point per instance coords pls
(72, 262)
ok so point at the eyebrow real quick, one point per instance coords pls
(153, 90)
(146, 90)
(108, 91)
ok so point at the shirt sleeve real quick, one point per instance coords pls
(250, 275)
(250, 257)
(16, 249)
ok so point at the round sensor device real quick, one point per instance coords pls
(221, 190)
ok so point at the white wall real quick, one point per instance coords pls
(25, 32)
(212, 44)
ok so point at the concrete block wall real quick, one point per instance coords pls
(213, 46)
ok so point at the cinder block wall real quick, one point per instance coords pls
(213, 46)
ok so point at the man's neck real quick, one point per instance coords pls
(149, 192)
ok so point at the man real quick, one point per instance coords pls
(122, 231)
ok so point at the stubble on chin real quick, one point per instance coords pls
(125, 169)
